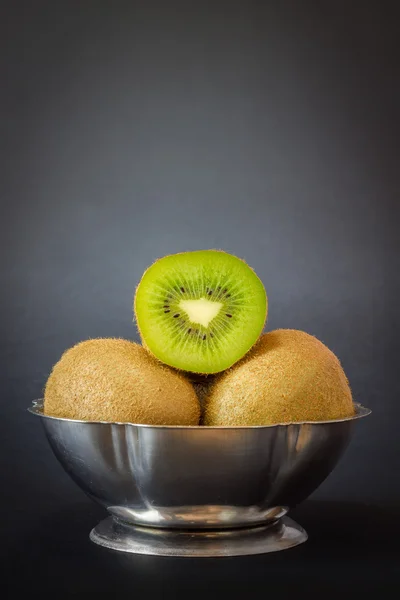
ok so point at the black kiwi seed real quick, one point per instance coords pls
(177, 315)
(228, 315)
(228, 295)
(224, 291)
(182, 290)
(166, 306)
(210, 293)
(204, 336)
(189, 330)
(167, 311)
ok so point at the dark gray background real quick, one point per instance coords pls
(130, 130)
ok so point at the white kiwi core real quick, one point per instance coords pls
(201, 311)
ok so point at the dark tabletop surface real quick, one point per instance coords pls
(351, 547)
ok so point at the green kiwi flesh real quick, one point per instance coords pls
(200, 311)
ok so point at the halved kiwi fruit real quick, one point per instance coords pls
(200, 311)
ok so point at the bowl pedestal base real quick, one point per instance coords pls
(278, 535)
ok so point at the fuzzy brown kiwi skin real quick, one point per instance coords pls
(135, 320)
(202, 385)
(114, 380)
(289, 376)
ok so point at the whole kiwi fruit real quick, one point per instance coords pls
(117, 380)
(288, 376)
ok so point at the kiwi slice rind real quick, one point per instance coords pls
(200, 311)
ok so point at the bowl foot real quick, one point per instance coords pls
(280, 535)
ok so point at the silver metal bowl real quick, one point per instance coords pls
(196, 481)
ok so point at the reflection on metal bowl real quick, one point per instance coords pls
(196, 478)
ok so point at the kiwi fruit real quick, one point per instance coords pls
(288, 376)
(202, 385)
(117, 380)
(200, 311)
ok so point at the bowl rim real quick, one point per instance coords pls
(360, 412)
